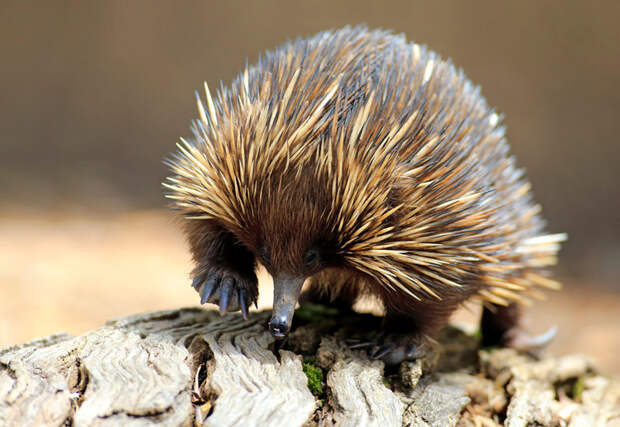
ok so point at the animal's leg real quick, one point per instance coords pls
(500, 326)
(409, 335)
(224, 273)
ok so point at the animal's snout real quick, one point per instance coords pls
(286, 292)
(279, 327)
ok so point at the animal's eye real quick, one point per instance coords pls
(263, 252)
(311, 259)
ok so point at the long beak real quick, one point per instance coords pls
(286, 292)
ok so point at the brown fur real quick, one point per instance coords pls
(375, 154)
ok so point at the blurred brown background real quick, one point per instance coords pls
(95, 94)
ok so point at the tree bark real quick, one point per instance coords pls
(193, 367)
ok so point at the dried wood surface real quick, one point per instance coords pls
(193, 367)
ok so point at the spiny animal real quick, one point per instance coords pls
(364, 165)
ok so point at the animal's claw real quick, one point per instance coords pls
(229, 290)
(394, 348)
(208, 288)
(357, 344)
(197, 282)
(243, 302)
(382, 351)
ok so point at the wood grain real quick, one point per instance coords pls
(192, 367)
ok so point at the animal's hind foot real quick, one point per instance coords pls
(500, 326)
(520, 340)
(394, 348)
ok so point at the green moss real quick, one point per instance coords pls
(310, 360)
(312, 312)
(578, 387)
(477, 334)
(315, 378)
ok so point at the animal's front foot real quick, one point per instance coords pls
(227, 289)
(394, 348)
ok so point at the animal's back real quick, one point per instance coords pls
(373, 156)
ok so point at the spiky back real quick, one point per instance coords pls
(408, 165)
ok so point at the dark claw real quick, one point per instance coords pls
(364, 344)
(382, 351)
(208, 288)
(227, 289)
(412, 352)
(243, 302)
(196, 282)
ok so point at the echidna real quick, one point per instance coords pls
(362, 164)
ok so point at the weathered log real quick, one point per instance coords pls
(193, 367)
